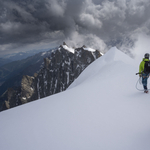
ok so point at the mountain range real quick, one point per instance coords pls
(4, 61)
(38, 77)
(11, 73)
(21, 55)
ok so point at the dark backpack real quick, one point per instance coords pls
(147, 67)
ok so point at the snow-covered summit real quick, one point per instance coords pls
(72, 50)
(103, 111)
(89, 49)
(68, 48)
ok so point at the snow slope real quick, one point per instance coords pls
(101, 110)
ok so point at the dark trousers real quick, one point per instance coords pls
(144, 80)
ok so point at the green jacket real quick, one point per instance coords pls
(141, 67)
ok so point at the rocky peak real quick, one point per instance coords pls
(64, 43)
(60, 69)
(83, 46)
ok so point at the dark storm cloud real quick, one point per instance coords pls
(99, 24)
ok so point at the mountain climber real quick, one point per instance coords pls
(144, 71)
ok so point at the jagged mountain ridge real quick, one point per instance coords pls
(60, 69)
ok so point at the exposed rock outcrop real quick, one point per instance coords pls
(60, 69)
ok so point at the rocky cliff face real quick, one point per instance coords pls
(60, 69)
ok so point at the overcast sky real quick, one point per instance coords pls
(40, 24)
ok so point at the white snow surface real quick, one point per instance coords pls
(89, 49)
(68, 48)
(43, 53)
(101, 110)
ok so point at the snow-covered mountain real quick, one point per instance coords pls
(61, 67)
(101, 110)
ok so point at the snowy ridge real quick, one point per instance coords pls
(102, 64)
(100, 111)
(72, 50)
(89, 49)
(68, 48)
